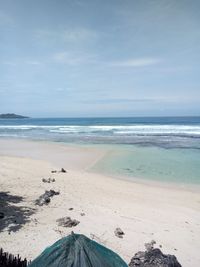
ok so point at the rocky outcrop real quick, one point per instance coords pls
(153, 257)
(45, 198)
(67, 222)
(49, 180)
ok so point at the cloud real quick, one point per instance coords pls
(73, 59)
(77, 58)
(18, 62)
(119, 100)
(33, 62)
(78, 34)
(9, 63)
(67, 35)
(138, 62)
(67, 58)
(148, 100)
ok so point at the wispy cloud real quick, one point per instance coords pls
(33, 62)
(9, 63)
(138, 62)
(148, 100)
(73, 59)
(119, 100)
(77, 34)
(67, 35)
(77, 58)
(18, 62)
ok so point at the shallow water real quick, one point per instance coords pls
(154, 148)
(152, 163)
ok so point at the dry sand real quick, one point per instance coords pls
(170, 216)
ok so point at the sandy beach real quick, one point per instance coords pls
(145, 212)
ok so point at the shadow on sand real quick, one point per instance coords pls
(12, 215)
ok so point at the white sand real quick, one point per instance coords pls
(144, 212)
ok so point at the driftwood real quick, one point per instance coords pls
(8, 260)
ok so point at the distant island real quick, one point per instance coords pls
(12, 116)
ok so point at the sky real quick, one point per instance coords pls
(100, 58)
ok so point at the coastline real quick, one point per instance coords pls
(144, 211)
(80, 156)
(75, 157)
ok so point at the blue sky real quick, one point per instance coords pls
(72, 58)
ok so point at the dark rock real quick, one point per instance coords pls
(62, 170)
(71, 208)
(153, 257)
(2, 215)
(82, 214)
(49, 180)
(67, 222)
(52, 193)
(45, 198)
(119, 233)
(42, 200)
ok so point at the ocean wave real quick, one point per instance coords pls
(26, 127)
(129, 130)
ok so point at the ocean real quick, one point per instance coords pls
(155, 148)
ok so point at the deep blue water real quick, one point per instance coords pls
(167, 132)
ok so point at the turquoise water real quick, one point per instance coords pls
(154, 148)
(152, 163)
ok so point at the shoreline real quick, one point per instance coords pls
(144, 212)
(73, 156)
(90, 155)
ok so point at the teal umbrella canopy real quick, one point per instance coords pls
(77, 251)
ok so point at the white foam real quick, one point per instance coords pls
(138, 129)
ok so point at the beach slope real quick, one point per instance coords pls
(170, 216)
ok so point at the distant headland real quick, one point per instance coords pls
(12, 116)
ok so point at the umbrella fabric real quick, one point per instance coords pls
(77, 251)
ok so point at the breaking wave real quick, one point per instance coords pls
(167, 132)
(112, 130)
